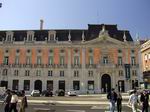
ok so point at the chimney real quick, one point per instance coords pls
(41, 24)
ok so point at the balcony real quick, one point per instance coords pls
(135, 65)
(50, 65)
(39, 66)
(90, 65)
(75, 65)
(17, 65)
(61, 65)
(5, 65)
(106, 65)
(119, 65)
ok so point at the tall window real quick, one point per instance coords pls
(5, 72)
(38, 73)
(134, 73)
(90, 73)
(119, 60)
(28, 60)
(26, 85)
(50, 60)
(61, 73)
(50, 85)
(76, 73)
(76, 85)
(17, 60)
(6, 59)
(27, 73)
(91, 60)
(90, 85)
(133, 62)
(120, 73)
(50, 73)
(16, 72)
(76, 60)
(105, 60)
(62, 60)
(39, 60)
(15, 84)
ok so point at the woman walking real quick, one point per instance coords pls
(23, 104)
(145, 101)
(119, 102)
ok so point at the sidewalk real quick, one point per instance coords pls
(90, 99)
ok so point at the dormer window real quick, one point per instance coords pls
(30, 36)
(9, 36)
(51, 35)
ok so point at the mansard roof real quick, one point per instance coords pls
(76, 34)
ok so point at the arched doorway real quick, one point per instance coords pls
(106, 83)
(38, 85)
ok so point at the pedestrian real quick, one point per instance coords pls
(112, 97)
(133, 101)
(24, 103)
(13, 102)
(7, 101)
(119, 102)
(145, 101)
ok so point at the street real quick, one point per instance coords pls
(72, 108)
(84, 103)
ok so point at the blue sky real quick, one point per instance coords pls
(133, 15)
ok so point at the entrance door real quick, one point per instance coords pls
(121, 86)
(4, 84)
(62, 85)
(106, 83)
(38, 85)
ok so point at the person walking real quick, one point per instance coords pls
(112, 97)
(119, 102)
(133, 101)
(7, 101)
(145, 101)
(13, 102)
(24, 103)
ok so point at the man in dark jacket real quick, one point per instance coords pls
(112, 97)
(145, 101)
(7, 101)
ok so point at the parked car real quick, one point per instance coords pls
(72, 93)
(47, 93)
(60, 92)
(35, 93)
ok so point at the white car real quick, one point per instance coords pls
(35, 93)
(72, 93)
